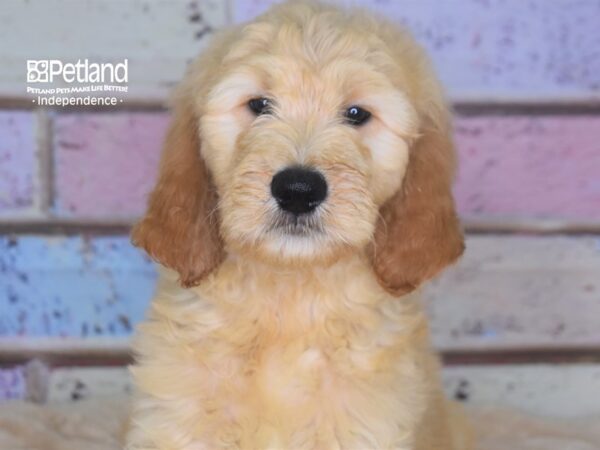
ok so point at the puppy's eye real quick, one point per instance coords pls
(355, 115)
(260, 105)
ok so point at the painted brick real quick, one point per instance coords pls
(529, 166)
(72, 286)
(544, 167)
(561, 391)
(498, 48)
(520, 292)
(105, 164)
(507, 291)
(17, 161)
(79, 383)
(12, 383)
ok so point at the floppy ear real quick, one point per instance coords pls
(180, 229)
(418, 232)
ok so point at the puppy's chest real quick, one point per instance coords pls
(296, 342)
(288, 362)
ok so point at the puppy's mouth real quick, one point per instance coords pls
(304, 225)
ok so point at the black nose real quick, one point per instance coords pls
(298, 190)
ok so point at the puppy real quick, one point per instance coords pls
(303, 197)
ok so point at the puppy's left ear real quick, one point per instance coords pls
(418, 232)
(181, 227)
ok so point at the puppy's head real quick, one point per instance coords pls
(307, 135)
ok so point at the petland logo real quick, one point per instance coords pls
(79, 77)
(45, 70)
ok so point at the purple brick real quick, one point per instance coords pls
(72, 286)
(498, 48)
(105, 164)
(529, 166)
(12, 383)
(17, 161)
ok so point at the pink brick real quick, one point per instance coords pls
(510, 166)
(17, 161)
(105, 164)
(529, 166)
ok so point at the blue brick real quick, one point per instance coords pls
(72, 286)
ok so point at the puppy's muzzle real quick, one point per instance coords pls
(298, 190)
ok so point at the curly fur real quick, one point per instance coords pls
(262, 338)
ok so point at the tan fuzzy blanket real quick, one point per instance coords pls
(98, 424)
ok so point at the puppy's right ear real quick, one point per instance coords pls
(181, 227)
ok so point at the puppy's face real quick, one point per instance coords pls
(307, 135)
(305, 139)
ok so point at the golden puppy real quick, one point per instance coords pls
(304, 195)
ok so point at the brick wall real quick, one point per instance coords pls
(525, 80)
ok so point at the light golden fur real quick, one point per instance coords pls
(311, 340)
